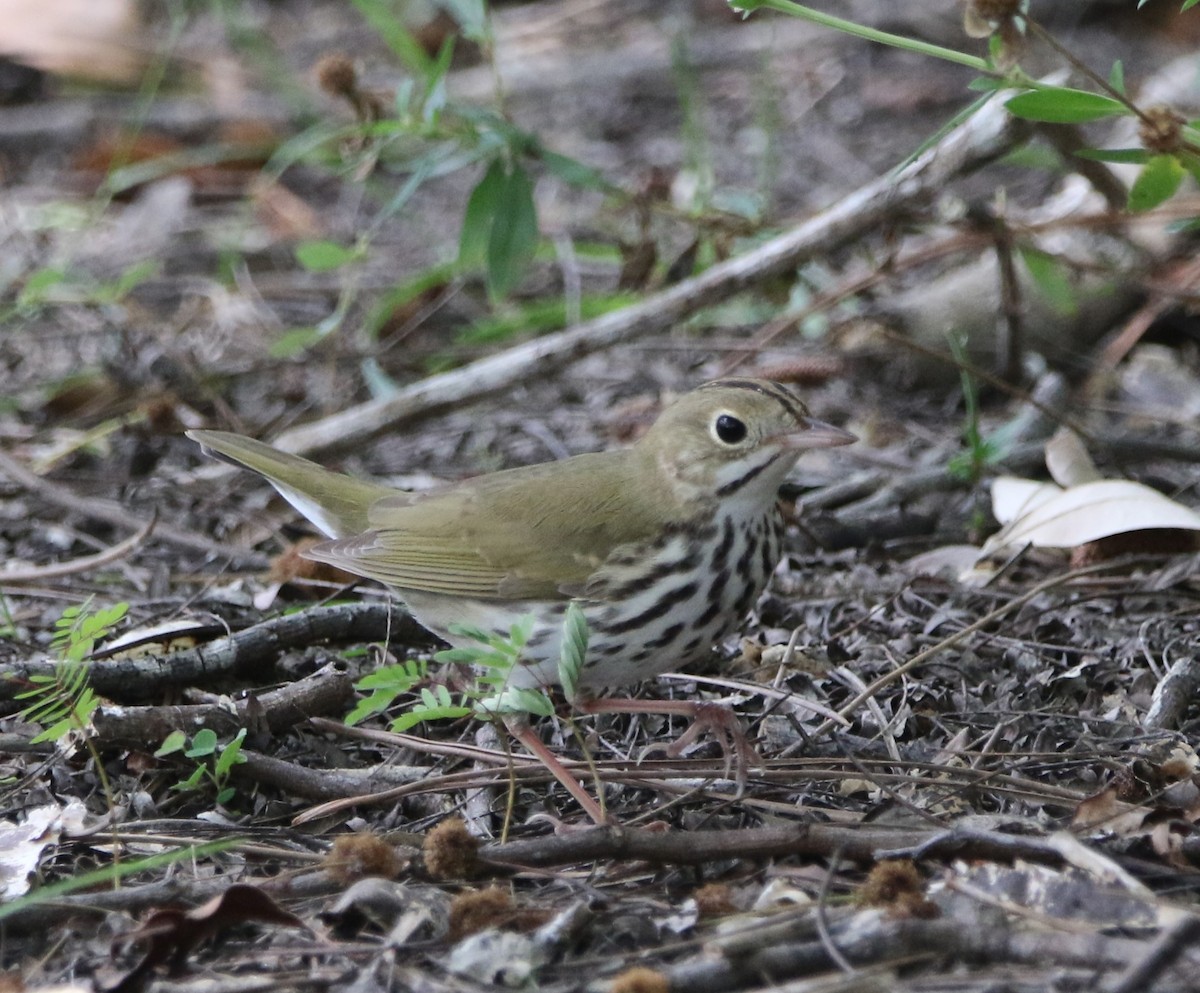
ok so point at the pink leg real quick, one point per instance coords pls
(526, 736)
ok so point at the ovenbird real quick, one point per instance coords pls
(665, 545)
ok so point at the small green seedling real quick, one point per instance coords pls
(63, 701)
(214, 761)
(494, 657)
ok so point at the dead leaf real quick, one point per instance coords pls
(1104, 811)
(1068, 460)
(21, 847)
(173, 933)
(1046, 516)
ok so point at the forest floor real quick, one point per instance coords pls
(1006, 795)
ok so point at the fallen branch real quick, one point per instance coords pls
(871, 936)
(863, 842)
(983, 137)
(254, 650)
(329, 690)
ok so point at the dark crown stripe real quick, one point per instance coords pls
(768, 389)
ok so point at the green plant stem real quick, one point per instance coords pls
(114, 872)
(868, 34)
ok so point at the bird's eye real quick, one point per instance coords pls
(729, 429)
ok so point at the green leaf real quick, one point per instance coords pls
(376, 703)
(203, 744)
(574, 648)
(987, 84)
(129, 280)
(519, 632)
(470, 632)
(418, 714)
(382, 312)
(54, 732)
(501, 661)
(192, 782)
(1033, 155)
(230, 756)
(323, 256)
(515, 701)
(457, 656)
(38, 286)
(1188, 5)
(435, 84)
(1052, 278)
(47, 708)
(106, 876)
(1157, 182)
(514, 234)
(537, 316)
(85, 706)
(295, 341)
(573, 171)
(1116, 76)
(1135, 155)
(379, 15)
(395, 678)
(1059, 105)
(174, 742)
(482, 207)
(1191, 163)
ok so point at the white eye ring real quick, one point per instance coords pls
(728, 429)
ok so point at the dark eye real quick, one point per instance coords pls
(729, 429)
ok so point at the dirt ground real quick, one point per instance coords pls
(1005, 795)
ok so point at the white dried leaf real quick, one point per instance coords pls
(1068, 460)
(1049, 517)
(21, 847)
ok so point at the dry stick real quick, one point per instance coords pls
(40, 574)
(822, 920)
(307, 783)
(415, 742)
(957, 243)
(114, 513)
(1180, 278)
(370, 787)
(1171, 943)
(520, 767)
(978, 140)
(922, 657)
(863, 842)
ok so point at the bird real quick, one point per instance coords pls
(665, 545)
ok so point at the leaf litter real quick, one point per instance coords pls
(931, 830)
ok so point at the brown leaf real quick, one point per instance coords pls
(172, 933)
(1105, 810)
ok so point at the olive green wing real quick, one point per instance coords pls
(537, 532)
